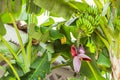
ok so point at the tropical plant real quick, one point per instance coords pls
(88, 33)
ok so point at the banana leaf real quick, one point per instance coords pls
(59, 7)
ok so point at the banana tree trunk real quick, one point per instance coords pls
(115, 66)
(115, 61)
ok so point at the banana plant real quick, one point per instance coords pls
(96, 29)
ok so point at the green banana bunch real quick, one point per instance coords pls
(88, 21)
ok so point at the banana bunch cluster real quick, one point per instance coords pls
(88, 20)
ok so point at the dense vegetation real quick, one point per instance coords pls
(88, 39)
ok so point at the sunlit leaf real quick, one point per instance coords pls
(78, 5)
(59, 7)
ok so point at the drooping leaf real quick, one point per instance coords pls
(59, 7)
(2, 28)
(41, 66)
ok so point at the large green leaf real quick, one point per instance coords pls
(41, 66)
(79, 5)
(90, 70)
(3, 6)
(59, 7)
(2, 28)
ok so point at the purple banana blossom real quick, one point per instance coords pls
(78, 56)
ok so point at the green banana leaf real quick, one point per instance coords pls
(59, 7)
(90, 70)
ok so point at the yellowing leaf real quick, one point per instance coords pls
(63, 40)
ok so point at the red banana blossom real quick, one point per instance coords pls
(78, 56)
